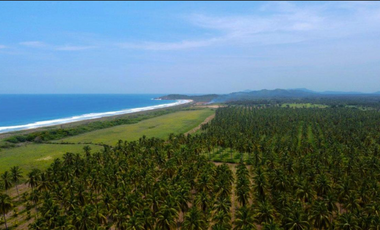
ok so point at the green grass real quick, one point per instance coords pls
(161, 127)
(310, 135)
(303, 105)
(36, 155)
(42, 155)
(224, 155)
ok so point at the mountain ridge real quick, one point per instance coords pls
(264, 94)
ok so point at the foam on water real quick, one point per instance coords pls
(89, 116)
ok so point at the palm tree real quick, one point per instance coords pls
(166, 218)
(305, 192)
(297, 220)
(33, 178)
(5, 206)
(347, 221)
(194, 220)
(183, 197)
(135, 222)
(264, 212)
(84, 219)
(146, 218)
(320, 215)
(34, 196)
(87, 150)
(203, 200)
(244, 219)
(222, 204)
(16, 176)
(99, 214)
(331, 202)
(7, 180)
(352, 202)
(243, 184)
(222, 220)
(271, 226)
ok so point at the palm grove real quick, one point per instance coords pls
(299, 169)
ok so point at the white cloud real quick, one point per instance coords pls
(33, 44)
(278, 23)
(272, 23)
(39, 44)
(169, 45)
(74, 48)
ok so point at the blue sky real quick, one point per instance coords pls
(188, 47)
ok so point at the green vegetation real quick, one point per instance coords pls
(55, 134)
(161, 127)
(42, 155)
(304, 168)
(226, 155)
(36, 155)
(362, 102)
(303, 105)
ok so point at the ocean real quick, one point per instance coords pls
(20, 112)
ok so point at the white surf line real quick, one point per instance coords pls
(88, 116)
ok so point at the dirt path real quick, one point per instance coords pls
(207, 120)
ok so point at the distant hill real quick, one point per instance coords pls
(304, 89)
(265, 94)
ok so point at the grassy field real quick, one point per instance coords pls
(42, 155)
(161, 127)
(36, 155)
(224, 155)
(303, 105)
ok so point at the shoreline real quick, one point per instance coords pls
(86, 118)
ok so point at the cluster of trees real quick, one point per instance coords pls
(306, 169)
(318, 167)
(147, 184)
(9, 179)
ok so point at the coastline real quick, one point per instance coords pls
(86, 118)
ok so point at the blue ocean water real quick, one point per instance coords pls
(42, 110)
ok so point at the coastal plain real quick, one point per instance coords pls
(33, 155)
(160, 127)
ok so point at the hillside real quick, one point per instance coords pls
(284, 95)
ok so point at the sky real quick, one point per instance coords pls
(188, 47)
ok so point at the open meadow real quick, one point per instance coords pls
(160, 127)
(33, 155)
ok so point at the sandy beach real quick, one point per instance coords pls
(87, 121)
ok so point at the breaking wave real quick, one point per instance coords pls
(88, 116)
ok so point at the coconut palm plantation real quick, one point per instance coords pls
(284, 168)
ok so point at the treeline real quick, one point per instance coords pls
(362, 101)
(59, 133)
